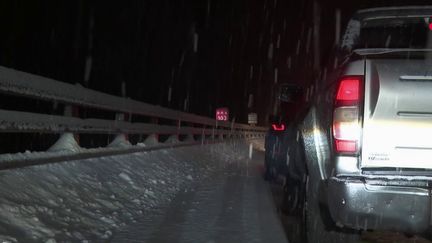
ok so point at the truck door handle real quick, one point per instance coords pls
(415, 78)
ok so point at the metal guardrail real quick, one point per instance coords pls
(29, 85)
(197, 129)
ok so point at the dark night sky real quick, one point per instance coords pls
(149, 45)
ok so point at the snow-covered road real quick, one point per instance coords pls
(235, 205)
(203, 193)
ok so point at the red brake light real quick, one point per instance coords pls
(349, 89)
(346, 146)
(278, 127)
(346, 117)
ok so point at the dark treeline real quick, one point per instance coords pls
(192, 55)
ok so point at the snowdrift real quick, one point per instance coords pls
(91, 199)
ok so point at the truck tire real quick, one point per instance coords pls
(270, 170)
(294, 187)
(317, 220)
(293, 194)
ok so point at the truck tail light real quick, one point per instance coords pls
(278, 127)
(346, 117)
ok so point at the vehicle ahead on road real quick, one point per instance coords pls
(365, 145)
(282, 130)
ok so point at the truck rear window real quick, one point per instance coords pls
(407, 32)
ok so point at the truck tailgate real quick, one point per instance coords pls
(397, 123)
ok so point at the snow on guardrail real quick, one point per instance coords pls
(187, 129)
(37, 87)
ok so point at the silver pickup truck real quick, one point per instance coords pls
(364, 149)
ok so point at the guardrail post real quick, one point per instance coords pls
(152, 139)
(203, 135)
(67, 141)
(214, 130)
(190, 136)
(232, 131)
(175, 138)
(121, 139)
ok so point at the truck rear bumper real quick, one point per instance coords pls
(358, 205)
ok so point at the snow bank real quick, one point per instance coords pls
(120, 141)
(66, 142)
(92, 199)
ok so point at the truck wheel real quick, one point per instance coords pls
(317, 220)
(292, 197)
(267, 173)
(270, 173)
